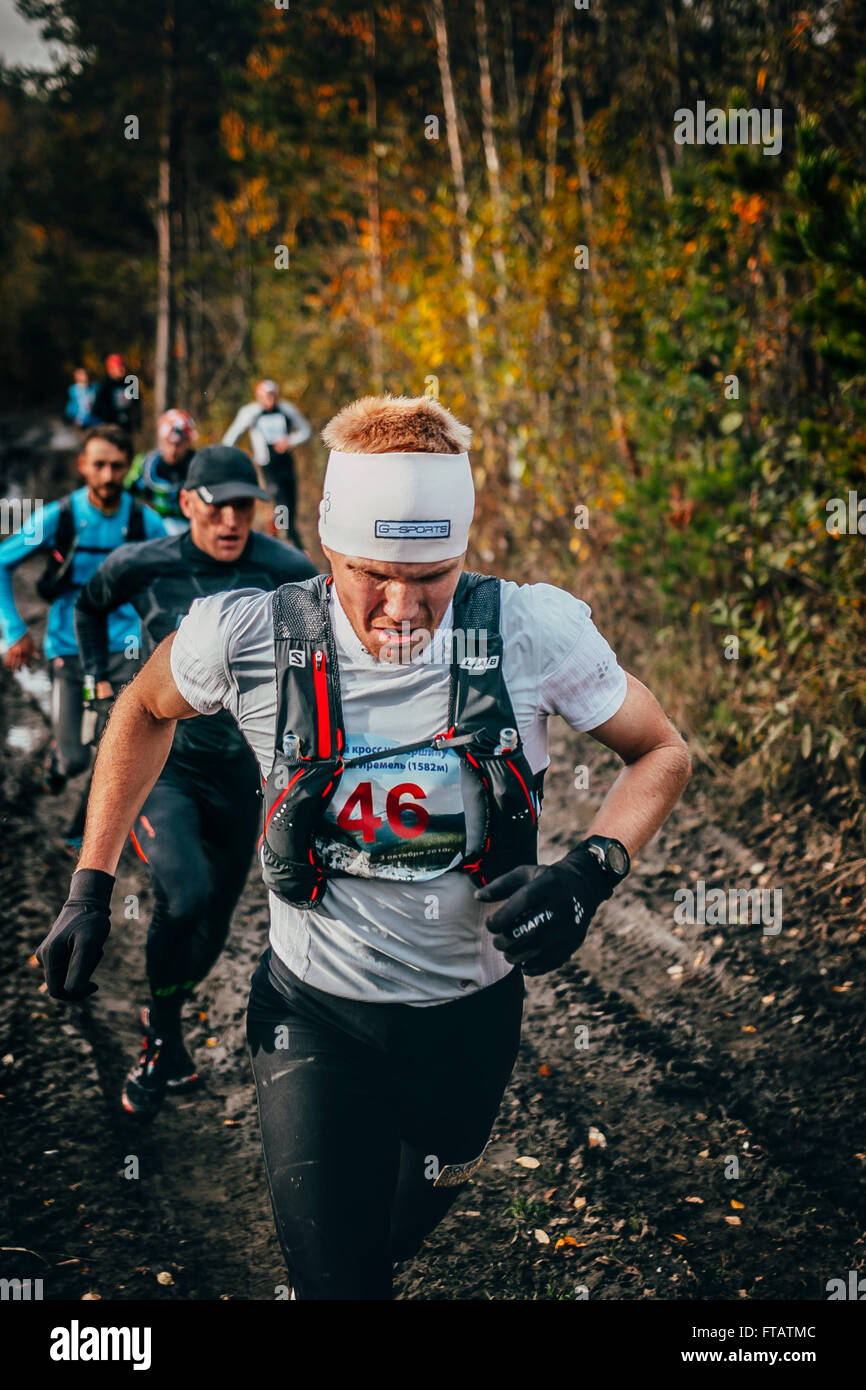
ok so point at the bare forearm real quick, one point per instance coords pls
(642, 797)
(132, 754)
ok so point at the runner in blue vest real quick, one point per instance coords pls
(77, 532)
(398, 712)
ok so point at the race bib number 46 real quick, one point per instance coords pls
(399, 818)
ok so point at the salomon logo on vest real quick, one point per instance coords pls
(413, 530)
(479, 663)
(297, 656)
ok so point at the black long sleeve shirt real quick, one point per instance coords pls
(161, 579)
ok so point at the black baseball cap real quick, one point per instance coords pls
(219, 473)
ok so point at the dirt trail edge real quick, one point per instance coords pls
(719, 1066)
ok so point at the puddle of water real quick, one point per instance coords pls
(36, 681)
(24, 740)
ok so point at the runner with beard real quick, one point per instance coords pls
(398, 710)
(76, 533)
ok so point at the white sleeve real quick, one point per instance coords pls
(581, 679)
(560, 659)
(301, 428)
(198, 653)
(240, 423)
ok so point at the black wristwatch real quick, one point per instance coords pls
(612, 855)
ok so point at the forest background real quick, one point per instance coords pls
(661, 347)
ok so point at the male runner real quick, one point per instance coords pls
(77, 531)
(402, 772)
(112, 404)
(158, 476)
(197, 829)
(276, 427)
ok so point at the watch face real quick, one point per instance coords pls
(616, 857)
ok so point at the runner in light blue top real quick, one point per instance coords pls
(77, 532)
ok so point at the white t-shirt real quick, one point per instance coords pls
(418, 939)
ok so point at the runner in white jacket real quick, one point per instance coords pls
(275, 427)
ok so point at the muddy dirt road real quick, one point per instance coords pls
(721, 1067)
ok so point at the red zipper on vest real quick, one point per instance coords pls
(523, 785)
(281, 798)
(323, 715)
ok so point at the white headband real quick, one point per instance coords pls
(397, 507)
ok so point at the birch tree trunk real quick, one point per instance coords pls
(511, 86)
(161, 384)
(467, 258)
(554, 99)
(602, 314)
(491, 155)
(373, 217)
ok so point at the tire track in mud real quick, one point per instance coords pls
(678, 1089)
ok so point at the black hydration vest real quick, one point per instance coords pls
(55, 579)
(308, 761)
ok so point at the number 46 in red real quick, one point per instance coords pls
(357, 814)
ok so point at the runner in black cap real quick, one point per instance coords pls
(198, 827)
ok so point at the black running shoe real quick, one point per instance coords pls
(179, 1068)
(182, 1075)
(145, 1086)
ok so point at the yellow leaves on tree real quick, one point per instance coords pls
(254, 209)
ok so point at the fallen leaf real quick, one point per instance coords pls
(733, 1220)
(768, 999)
(210, 1042)
(747, 1028)
(528, 1162)
(841, 989)
(164, 1277)
(675, 970)
(798, 1018)
(544, 1070)
(699, 1200)
(699, 959)
(201, 1016)
(678, 1237)
(8, 1059)
(704, 1153)
(549, 1193)
(86, 1296)
(542, 1237)
(579, 1203)
(565, 1240)
(231, 1122)
(739, 1205)
(757, 867)
(596, 1138)
(32, 960)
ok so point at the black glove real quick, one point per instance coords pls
(73, 948)
(548, 909)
